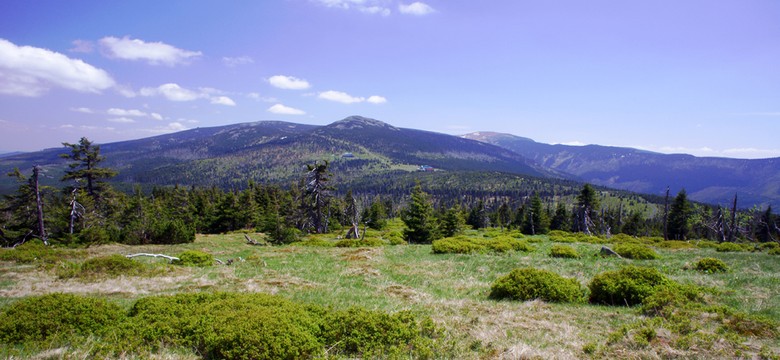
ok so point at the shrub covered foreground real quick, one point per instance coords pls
(220, 325)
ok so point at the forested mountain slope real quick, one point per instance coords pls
(706, 179)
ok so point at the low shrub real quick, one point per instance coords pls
(635, 251)
(261, 326)
(563, 251)
(729, 247)
(676, 244)
(467, 245)
(33, 251)
(366, 242)
(112, 265)
(711, 265)
(195, 258)
(315, 243)
(529, 284)
(623, 238)
(768, 246)
(628, 286)
(373, 334)
(775, 251)
(42, 318)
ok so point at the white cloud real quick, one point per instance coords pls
(376, 10)
(156, 116)
(123, 120)
(153, 53)
(31, 71)
(236, 61)
(83, 110)
(416, 8)
(339, 96)
(364, 6)
(126, 113)
(288, 82)
(82, 46)
(376, 99)
(257, 96)
(285, 110)
(172, 92)
(223, 100)
(67, 126)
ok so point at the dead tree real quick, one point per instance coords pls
(666, 215)
(733, 226)
(39, 203)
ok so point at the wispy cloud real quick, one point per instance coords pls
(82, 46)
(288, 82)
(126, 113)
(285, 110)
(375, 7)
(344, 98)
(416, 8)
(123, 120)
(154, 53)
(171, 91)
(236, 61)
(83, 110)
(223, 100)
(31, 71)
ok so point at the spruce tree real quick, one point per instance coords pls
(452, 222)
(418, 218)
(85, 166)
(679, 215)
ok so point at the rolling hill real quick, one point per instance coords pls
(277, 152)
(705, 179)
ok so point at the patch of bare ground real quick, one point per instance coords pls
(362, 262)
(45, 282)
(406, 293)
(520, 330)
(272, 282)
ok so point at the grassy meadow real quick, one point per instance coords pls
(735, 317)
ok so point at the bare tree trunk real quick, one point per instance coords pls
(733, 225)
(666, 215)
(39, 203)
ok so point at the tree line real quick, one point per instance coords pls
(87, 210)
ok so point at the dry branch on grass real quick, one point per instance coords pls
(170, 258)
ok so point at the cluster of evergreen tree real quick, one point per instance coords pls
(87, 210)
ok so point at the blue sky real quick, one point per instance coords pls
(693, 76)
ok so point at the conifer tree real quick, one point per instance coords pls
(85, 166)
(418, 218)
(452, 222)
(679, 214)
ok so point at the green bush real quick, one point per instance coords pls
(112, 265)
(315, 243)
(261, 326)
(623, 238)
(195, 258)
(467, 245)
(729, 247)
(711, 265)
(366, 242)
(563, 251)
(373, 334)
(41, 318)
(676, 244)
(768, 246)
(775, 251)
(635, 251)
(172, 232)
(529, 284)
(455, 245)
(628, 286)
(32, 252)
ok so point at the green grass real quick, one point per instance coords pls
(453, 289)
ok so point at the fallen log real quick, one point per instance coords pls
(170, 258)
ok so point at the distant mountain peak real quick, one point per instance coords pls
(359, 122)
(491, 136)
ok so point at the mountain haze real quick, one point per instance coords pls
(706, 179)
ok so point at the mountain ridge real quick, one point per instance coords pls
(276, 152)
(707, 179)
